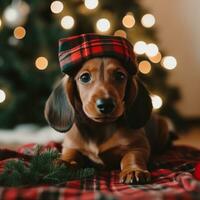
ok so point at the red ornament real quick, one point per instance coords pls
(197, 171)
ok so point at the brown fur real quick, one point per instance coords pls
(114, 139)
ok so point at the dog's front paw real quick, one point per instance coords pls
(135, 175)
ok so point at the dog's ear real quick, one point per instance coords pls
(59, 111)
(138, 105)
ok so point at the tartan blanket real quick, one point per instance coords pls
(172, 178)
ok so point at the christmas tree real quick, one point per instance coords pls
(29, 33)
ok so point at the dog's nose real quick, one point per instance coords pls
(105, 106)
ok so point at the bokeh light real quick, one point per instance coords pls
(157, 102)
(103, 25)
(67, 22)
(120, 33)
(16, 13)
(169, 62)
(148, 20)
(144, 67)
(0, 22)
(128, 20)
(2, 96)
(91, 4)
(152, 50)
(156, 59)
(41, 63)
(13, 41)
(56, 7)
(19, 32)
(10, 15)
(140, 47)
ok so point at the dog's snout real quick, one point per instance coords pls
(105, 106)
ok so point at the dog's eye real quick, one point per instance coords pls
(85, 77)
(119, 76)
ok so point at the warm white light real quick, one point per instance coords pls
(57, 7)
(128, 20)
(140, 47)
(19, 32)
(103, 25)
(41, 63)
(67, 22)
(16, 13)
(91, 4)
(169, 62)
(156, 59)
(0, 23)
(152, 50)
(148, 20)
(144, 67)
(156, 101)
(120, 33)
(2, 96)
(11, 15)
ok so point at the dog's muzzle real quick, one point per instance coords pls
(105, 106)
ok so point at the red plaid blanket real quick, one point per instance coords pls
(172, 178)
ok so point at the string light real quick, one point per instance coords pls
(156, 101)
(140, 47)
(91, 4)
(128, 20)
(67, 22)
(19, 32)
(148, 20)
(152, 50)
(120, 33)
(16, 13)
(2, 96)
(56, 7)
(169, 62)
(103, 25)
(41, 63)
(156, 59)
(10, 14)
(144, 67)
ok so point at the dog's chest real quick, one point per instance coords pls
(113, 145)
(95, 151)
(92, 151)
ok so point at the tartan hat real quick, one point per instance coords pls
(75, 50)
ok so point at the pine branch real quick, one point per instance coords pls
(42, 169)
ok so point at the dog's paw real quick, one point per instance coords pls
(71, 164)
(133, 176)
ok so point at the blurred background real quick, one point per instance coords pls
(165, 37)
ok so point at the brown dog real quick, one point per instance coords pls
(104, 109)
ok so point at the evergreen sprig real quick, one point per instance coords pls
(42, 169)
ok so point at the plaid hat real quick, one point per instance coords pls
(75, 50)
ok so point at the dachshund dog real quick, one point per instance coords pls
(106, 113)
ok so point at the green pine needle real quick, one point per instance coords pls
(42, 169)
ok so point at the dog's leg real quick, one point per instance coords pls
(71, 156)
(133, 167)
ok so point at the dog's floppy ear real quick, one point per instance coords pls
(138, 112)
(59, 111)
